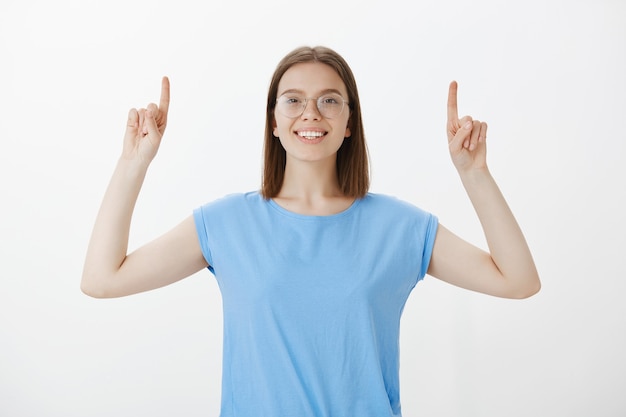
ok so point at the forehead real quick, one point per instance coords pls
(311, 78)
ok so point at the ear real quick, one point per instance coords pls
(274, 127)
(348, 131)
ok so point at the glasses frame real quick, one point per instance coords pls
(317, 105)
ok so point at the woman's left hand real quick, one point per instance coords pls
(466, 137)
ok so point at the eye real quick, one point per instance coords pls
(329, 100)
(292, 100)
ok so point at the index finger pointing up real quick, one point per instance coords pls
(453, 114)
(164, 103)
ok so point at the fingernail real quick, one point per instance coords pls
(468, 125)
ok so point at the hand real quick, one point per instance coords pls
(466, 137)
(145, 128)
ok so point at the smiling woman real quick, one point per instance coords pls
(332, 74)
(314, 270)
(311, 140)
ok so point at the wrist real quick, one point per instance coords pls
(475, 175)
(132, 168)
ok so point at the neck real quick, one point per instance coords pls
(312, 188)
(310, 180)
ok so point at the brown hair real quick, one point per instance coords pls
(352, 156)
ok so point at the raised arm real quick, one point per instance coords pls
(508, 269)
(109, 271)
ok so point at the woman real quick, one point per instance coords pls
(313, 269)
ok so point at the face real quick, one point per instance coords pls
(310, 136)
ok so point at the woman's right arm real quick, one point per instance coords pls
(109, 271)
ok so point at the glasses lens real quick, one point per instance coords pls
(330, 105)
(290, 105)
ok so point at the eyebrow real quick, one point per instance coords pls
(321, 93)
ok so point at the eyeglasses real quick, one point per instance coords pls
(292, 105)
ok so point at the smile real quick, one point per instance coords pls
(311, 134)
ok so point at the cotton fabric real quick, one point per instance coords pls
(312, 304)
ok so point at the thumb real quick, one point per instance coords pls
(132, 125)
(456, 144)
(151, 125)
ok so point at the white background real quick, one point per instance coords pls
(548, 77)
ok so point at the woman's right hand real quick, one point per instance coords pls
(145, 128)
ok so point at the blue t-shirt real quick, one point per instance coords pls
(312, 304)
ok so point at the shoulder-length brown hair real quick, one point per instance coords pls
(352, 156)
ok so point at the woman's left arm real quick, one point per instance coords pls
(508, 269)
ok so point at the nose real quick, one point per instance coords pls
(311, 112)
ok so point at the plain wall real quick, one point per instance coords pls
(547, 76)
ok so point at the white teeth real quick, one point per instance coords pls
(311, 134)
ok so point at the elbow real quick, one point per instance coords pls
(89, 287)
(91, 292)
(528, 290)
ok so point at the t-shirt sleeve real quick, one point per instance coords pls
(201, 230)
(429, 242)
